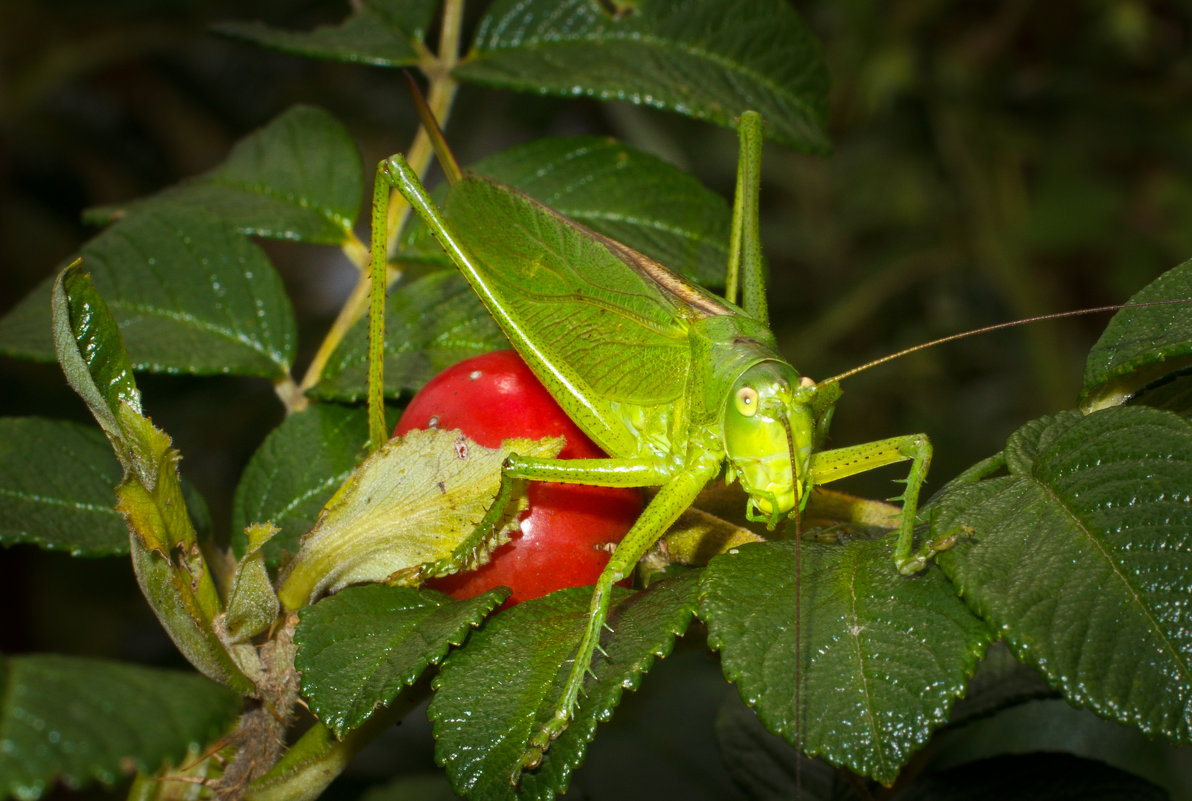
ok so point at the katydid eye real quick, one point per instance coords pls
(746, 401)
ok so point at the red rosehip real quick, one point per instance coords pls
(569, 530)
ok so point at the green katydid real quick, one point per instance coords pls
(672, 381)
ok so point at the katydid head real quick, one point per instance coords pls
(769, 434)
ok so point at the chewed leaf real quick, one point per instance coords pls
(711, 60)
(493, 694)
(360, 647)
(170, 566)
(252, 604)
(854, 662)
(412, 502)
(1081, 558)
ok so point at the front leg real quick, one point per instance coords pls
(842, 462)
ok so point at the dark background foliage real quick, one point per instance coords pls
(993, 161)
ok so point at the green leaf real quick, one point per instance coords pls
(430, 324)
(410, 507)
(170, 567)
(386, 33)
(711, 60)
(91, 351)
(494, 693)
(56, 481)
(360, 647)
(190, 295)
(1142, 344)
(854, 662)
(1080, 559)
(81, 720)
(293, 473)
(297, 178)
(632, 197)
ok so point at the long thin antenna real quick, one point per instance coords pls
(439, 142)
(996, 327)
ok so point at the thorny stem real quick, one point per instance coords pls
(440, 96)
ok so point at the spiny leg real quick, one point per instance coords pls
(671, 501)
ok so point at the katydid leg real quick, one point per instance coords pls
(745, 265)
(596, 472)
(840, 463)
(610, 472)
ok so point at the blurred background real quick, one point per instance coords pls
(993, 160)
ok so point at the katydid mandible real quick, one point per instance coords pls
(671, 381)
